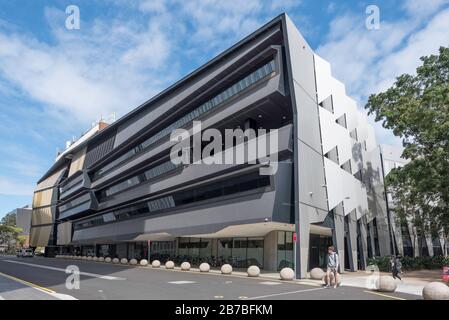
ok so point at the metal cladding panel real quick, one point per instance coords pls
(52, 180)
(343, 187)
(43, 198)
(42, 216)
(146, 117)
(311, 183)
(39, 236)
(266, 88)
(97, 151)
(334, 135)
(64, 233)
(308, 122)
(190, 174)
(301, 59)
(77, 161)
(308, 144)
(201, 219)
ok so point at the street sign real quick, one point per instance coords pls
(294, 237)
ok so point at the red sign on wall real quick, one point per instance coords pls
(294, 237)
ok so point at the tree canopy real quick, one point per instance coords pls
(416, 108)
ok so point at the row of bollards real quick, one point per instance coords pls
(252, 271)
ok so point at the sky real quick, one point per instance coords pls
(54, 82)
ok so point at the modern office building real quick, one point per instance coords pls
(406, 239)
(117, 192)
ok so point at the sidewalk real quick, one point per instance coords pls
(412, 282)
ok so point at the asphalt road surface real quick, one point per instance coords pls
(45, 278)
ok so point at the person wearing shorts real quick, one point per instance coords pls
(332, 266)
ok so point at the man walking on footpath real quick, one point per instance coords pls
(332, 266)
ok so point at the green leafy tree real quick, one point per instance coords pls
(9, 236)
(416, 108)
(9, 219)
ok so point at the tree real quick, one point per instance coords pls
(416, 108)
(9, 219)
(9, 235)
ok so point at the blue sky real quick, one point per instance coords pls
(55, 82)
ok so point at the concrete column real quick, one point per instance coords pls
(363, 240)
(302, 243)
(371, 236)
(214, 244)
(383, 236)
(339, 236)
(395, 225)
(270, 251)
(352, 224)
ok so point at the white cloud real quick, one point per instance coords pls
(368, 61)
(113, 66)
(421, 9)
(10, 186)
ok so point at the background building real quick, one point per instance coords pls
(115, 192)
(406, 239)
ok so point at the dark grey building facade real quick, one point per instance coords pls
(117, 193)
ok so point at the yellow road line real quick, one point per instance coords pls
(384, 295)
(27, 283)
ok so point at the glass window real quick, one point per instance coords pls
(239, 252)
(285, 249)
(255, 252)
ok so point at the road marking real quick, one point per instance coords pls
(283, 293)
(243, 297)
(26, 283)
(270, 283)
(94, 275)
(384, 295)
(50, 292)
(1, 298)
(181, 282)
(218, 297)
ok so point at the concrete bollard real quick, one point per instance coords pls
(107, 260)
(185, 266)
(386, 284)
(101, 259)
(226, 269)
(133, 262)
(204, 267)
(253, 271)
(143, 262)
(435, 291)
(115, 260)
(317, 273)
(89, 258)
(124, 261)
(95, 259)
(287, 274)
(155, 264)
(169, 265)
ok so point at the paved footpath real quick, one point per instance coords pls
(110, 281)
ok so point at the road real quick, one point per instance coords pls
(45, 278)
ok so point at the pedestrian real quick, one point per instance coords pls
(332, 266)
(397, 266)
(392, 266)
